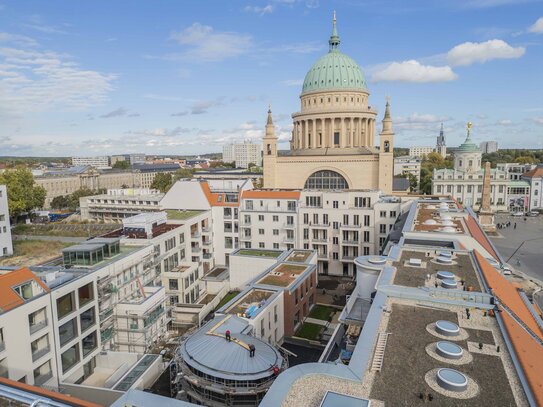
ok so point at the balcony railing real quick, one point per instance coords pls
(195, 235)
(320, 240)
(350, 242)
(319, 225)
(348, 258)
(38, 326)
(289, 225)
(322, 256)
(43, 378)
(40, 353)
(349, 226)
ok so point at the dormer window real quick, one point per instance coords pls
(24, 290)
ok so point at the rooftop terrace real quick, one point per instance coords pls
(283, 275)
(250, 303)
(181, 215)
(299, 256)
(258, 253)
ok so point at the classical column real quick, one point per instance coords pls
(343, 134)
(314, 134)
(351, 132)
(306, 133)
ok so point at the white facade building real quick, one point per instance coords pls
(420, 151)
(96, 162)
(6, 246)
(243, 154)
(488, 147)
(515, 171)
(408, 165)
(535, 178)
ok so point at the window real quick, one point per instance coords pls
(326, 180)
(86, 294)
(470, 189)
(313, 201)
(275, 232)
(276, 245)
(70, 358)
(306, 234)
(335, 240)
(306, 218)
(24, 290)
(346, 219)
(261, 218)
(261, 245)
(366, 236)
(335, 225)
(228, 243)
(65, 305)
(458, 189)
(393, 214)
(383, 214)
(173, 284)
(260, 231)
(335, 255)
(67, 331)
(249, 205)
(366, 251)
(87, 319)
(335, 204)
(356, 220)
(366, 220)
(382, 228)
(89, 343)
(276, 218)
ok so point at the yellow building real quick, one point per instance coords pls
(333, 139)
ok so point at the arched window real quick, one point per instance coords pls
(326, 180)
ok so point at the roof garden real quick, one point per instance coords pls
(298, 256)
(414, 267)
(181, 215)
(259, 253)
(435, 218)
(283, 275)
(249, 304)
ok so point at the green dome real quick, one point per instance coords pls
(334, 70)
(469, 146)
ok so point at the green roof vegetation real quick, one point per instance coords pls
(227, 298)
(181, 215)
(28, 252)
(322, 312)
(259, 253)
(309, 331)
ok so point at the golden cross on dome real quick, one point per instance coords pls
(469, 126)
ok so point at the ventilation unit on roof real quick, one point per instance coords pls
(415, 262)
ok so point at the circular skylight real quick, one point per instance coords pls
(445, 275)
(452, 380)
(449, 350)
(448, 283)
(447, 328)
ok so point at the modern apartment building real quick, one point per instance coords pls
(243, 154)
(408, 165)
(535, 178)
(96, 162)
(420, 151)
(515, 171)
(488, 147)
(6, 246)
(339, 225)
(119, 204)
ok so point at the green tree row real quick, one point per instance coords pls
(71, 202)
(23, 193)
(429, 163)
(163, 181)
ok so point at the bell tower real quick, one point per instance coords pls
(269, 151)
(386, 152)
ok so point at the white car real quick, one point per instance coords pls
(507, 270)
(517, 214)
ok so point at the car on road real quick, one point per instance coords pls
(517, 214)
(532, 213)
(507, 270)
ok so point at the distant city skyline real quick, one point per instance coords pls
(172, 78)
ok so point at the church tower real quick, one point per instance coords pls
(269, 151)
(386, 153)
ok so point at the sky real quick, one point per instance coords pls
(186, 77)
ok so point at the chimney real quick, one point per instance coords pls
(486, 216)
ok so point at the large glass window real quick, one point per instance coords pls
(70, 358)
(326, 180)
(90, 343)
(87, 319)
(86, 294)
(67, 331)
(65, 305)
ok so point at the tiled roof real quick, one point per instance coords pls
(71, 401)
(478, 234)
(263, 194)
(8, 297)
(507, 294)
(215, 198)
(535, 173)
(530, 354)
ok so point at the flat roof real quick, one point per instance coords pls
(299, 256)
(283, 275)
(249, 303)
(258, 253)
(181, 215)
(333, 399)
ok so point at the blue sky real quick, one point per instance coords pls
(186, 77)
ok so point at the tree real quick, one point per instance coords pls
(162, 181)
(525, 160)
(73, 199)
(23, 193)
(121, 165)
(183, 173)
(60, 202)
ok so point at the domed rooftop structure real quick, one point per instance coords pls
(335, 70)
(468, 145)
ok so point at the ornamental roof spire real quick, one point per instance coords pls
(270, 121)
(334, 38)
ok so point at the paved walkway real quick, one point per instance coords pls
(320, 322)
(64, 239)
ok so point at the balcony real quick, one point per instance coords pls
(38, 326)
(246, 223)
(350, 242)
(207, 243)
(288, 239)
(206, 229)
(349, 258)
(196, 249)
(245, 238)
(320, 240)
(106, 335)
(195, 235)
(289, 225)
(207, 256)
(319, 225)
(42, 379)
(322, 256)
(40, 353)
(349, 227)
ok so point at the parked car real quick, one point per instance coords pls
(517, 214)
(507, 270)
(532, 213)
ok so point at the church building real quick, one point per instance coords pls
(333, 139)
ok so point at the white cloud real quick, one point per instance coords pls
(413, 71)
(505, 122)
(35, 80)
(537, 27)
(471, 52)
(293, 82)
(205, 44)
(36, 22)
(538, 120)
(121, 111)
(17, 39)
(260, 10)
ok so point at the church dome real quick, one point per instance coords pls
(335, 70)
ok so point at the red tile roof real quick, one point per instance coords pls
(214, 198)
(507, 294)
(263, 194)
(529, 353)
(8, 297)
(49, 394)
(477, 233)
(535, 173)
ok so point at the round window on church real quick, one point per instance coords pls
(326, 180)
